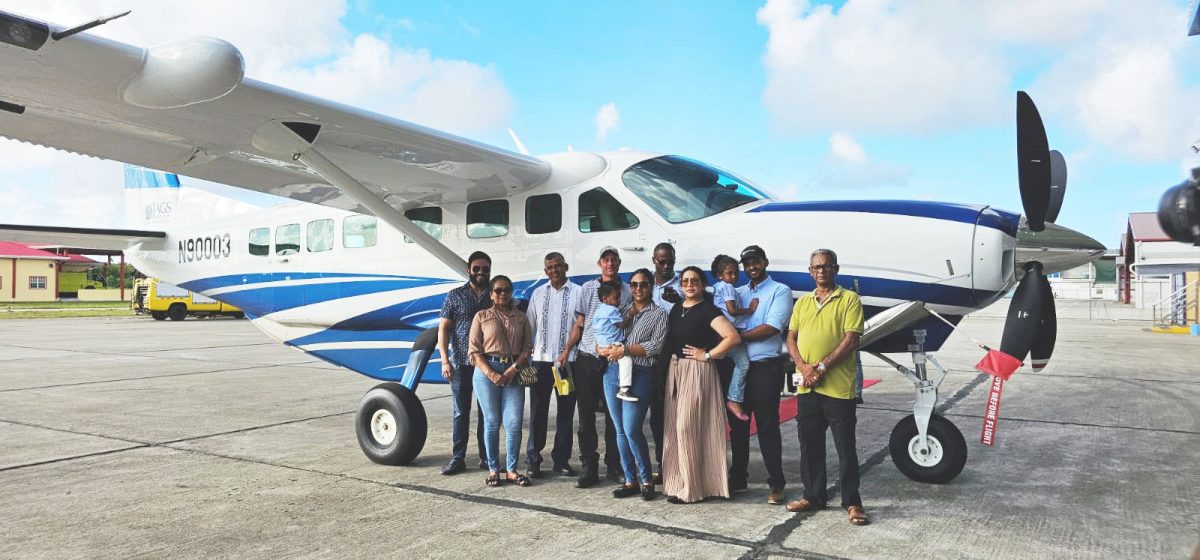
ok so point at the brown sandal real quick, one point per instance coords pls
(492, 480)
(858, 516)
(801, 505)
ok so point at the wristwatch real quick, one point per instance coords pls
(821, 367)
(707, 356)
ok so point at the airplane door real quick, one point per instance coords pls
(286, 271)
(603, 221)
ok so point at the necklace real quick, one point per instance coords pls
(685, 309)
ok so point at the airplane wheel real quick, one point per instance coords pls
(177, 312)
(158, 315)
(390, 424)
(945, 458)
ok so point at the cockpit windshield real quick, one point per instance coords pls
(682, 190)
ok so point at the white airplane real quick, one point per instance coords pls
(356, 274)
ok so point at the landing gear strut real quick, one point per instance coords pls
(391, 425)
(925, 447)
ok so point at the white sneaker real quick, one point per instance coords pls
(624, 395)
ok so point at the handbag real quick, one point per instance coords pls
(527, 375)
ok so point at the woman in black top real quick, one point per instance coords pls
(694, 425)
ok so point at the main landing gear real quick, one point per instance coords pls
(391, 425)
(925, 447)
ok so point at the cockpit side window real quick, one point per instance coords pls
(681, 190)
(599, 211)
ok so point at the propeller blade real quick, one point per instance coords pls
(1033, 162)
(1047, 331)
(1025, 313)
(1058, 184)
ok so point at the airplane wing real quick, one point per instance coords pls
(186, 107)
(78, 238)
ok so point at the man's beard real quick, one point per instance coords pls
(479, 281)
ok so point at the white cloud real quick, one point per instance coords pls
(305, 49)
(848, 167)
(607, 120)
(1120, 73)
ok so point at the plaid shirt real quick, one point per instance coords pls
(460, 307)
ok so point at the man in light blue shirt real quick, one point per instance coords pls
(764, 381)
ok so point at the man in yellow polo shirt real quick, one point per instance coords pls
(821, 338)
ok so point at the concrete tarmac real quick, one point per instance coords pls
(127, 437)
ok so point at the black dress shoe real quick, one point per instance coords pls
(455, 466)
(482, 465)
(675, 500)
(623, 491)
(737, 485)
(534, 472)
(648, 492)
(564, 470)
(587, 479)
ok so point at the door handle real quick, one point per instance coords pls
(634, 248)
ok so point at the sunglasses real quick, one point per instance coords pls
(664, 261)
(639, 285)
(501, 291)
(690, 282)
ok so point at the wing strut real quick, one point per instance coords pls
(295, 140)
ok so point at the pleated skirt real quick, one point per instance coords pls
(694, 427)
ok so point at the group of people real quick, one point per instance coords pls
(659, 347)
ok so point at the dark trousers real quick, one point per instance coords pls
(589, 390)
(657, 408)
(764, 381)
(540, 395)
(461, 389)
(816, 413)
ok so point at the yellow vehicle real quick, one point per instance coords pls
(168, 301)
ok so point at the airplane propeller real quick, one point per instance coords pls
(1032, 323)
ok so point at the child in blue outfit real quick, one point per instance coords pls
(725, 269)
(609, 324)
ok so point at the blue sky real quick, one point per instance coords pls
(862, 99)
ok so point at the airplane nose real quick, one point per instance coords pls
(1057, 248)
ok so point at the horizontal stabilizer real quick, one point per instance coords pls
(77, 239)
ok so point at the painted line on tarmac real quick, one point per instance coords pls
(1052, 422)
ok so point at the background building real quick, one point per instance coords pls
(28, 274)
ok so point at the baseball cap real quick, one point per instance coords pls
(752, 252)
(610, 249)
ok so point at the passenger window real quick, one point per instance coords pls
(287, 240)
(359, 232)
(320, 236)
(543, 213)
(260, 242)
(487, 219)
(599, 211)
(428, 218)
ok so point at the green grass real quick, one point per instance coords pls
(48, 314)
(23, 305)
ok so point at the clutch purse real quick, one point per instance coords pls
(527, 375)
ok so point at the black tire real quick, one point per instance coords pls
(943, 436)
(238, 315)
(410, 428)
(158, 315)
(177, 312)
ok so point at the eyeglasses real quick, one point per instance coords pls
(639, 285)
(690, 282)
(481, 269)
(825, 267)
(664, 261)
(499, 291)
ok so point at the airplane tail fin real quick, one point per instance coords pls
(151, 197)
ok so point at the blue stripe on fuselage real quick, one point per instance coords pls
(985, 216)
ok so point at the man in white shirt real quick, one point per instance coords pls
(551, 316)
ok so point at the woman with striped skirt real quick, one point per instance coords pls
(694, 425)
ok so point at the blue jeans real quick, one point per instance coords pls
(460, 388)
(500, 403)
(628, 418)
(741, 365)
